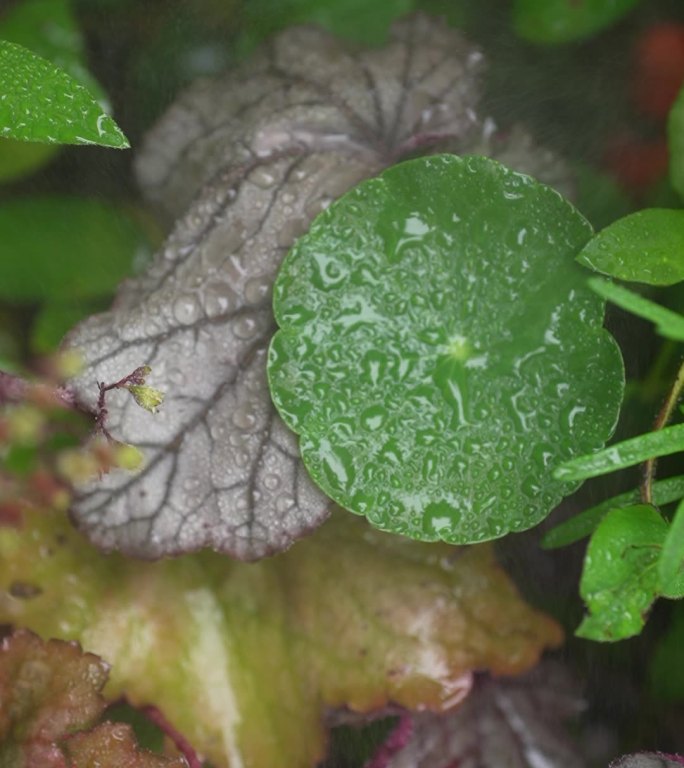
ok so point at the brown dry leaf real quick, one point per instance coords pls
(247, 660)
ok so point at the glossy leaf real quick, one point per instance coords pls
(668, 323)
(561, 21)
(65, 249)
(645, 247)
(675, 131)
(42, 103)
(671, 562)
(438, 349)
(620, 576)
(248, 660)
(503, 722)
(581, 525)
(49, 29)
(625, 454)
(262, 152)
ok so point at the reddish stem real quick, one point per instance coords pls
(181, 743)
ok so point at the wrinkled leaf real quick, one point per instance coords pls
(671, 559)
(645, 247)
(620, 576)
(648, 760)
(47, 690)
(438, 349)
(270, 146)
(662, 442)
(668, 323)
(581, 525)
(65, 248)
(517, 723)
(561, 21)
(675, 131)
(113, 745)
(42, 103)
(245, 660)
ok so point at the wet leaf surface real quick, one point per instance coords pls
(42, 103)
(269, 146)
(439, 350)
(246, 660)
(645, 247)
(517, 723)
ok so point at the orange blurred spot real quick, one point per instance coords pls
(659, 69)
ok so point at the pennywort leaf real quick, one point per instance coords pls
(561, 21)
(620, 578)
(434, 326)
(663, 442)
(668, 323)
(42, 103)
(645, 247)
(581, 525)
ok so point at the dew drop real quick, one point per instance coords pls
(257, 289)
(244, 417)
(186, 309)
(245, 328)
(219, 299)
(271, 482)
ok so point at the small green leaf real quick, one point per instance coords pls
(439, 349)
(65, 249)
(54, 320)
(668, 323)
(581, 525)
(625, 454)
(42, 103)
(675, 131)
(620, 577)
(146, 397)
(645, 247)
(560, 21)
(672, 557)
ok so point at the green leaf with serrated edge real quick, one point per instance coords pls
(671, 559)
(561, 21)
(620, 577)
(668, 323)
(581, 525)
(438, 349)
(663, 442)
(248, 660)
(644, 247)
(64, 248)
(42, 103)
(675, 132)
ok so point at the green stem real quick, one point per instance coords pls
(662, 419)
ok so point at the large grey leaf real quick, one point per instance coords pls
(648, 760)
(267, 148)
(511, 722)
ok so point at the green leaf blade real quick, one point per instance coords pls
(672, 558)
(562, 21)
(645, 247)
(625, 454)
(620, 578)
(42, 103)
(425, 344)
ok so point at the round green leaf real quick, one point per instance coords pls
(645, 247)
(560, 21)
(61, 249)
(40, 102)
(439, 350)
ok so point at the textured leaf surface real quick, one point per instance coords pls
(47, 690)
(269, 146)
(515, 723)
(65, 249)
(246, 659)
(438, 349)
(42, 103)
(645, 247)
(648, 760)
(560, 21)
(620, 577)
